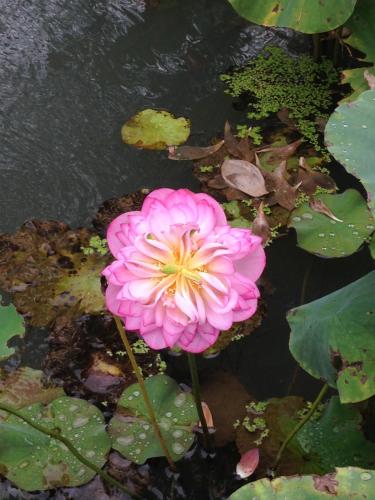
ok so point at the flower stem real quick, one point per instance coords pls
(300, 424)
(197, 398)
(56, 435)
(141, 382)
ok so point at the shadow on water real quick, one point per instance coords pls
(71, 72)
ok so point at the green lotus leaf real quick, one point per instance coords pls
(131, 430)
(34, 461)
(361, 25)
(11, 324)
(308, 16)
(152, 129)
(333, 338)
(324, 236)
(349, 136)
(345, 483)
(372, 246)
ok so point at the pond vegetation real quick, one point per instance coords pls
(136, 395)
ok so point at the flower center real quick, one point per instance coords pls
(179, 269)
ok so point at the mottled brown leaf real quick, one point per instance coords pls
(319, 206)
(260, 225)
(193, 152)
(311, 179)
(244, 176)
(284, 194)
(280, 153)
(240, 149)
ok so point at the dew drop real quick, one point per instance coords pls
(168, 414)
(80, 422)
(296, 219)
(142, 435)
(332, 221)
(307, 216)
(125, 440)
(23, 465)
(180, 400)
(356, 233)
(365, 476)
(177, 448)
(177, 433)
(90, 454)
(146, 427)
(370, 226)
(321, 235)
(73, 408)
(136, 393)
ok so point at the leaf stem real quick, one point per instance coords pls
(56, 435)
(197, 398)
(141, 382)
(300, 424)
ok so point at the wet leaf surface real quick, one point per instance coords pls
(131, 430)
(336, 236)
(34, 461)
(349, 482)
(153, 129)
(333, 339)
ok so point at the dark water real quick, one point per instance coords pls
(73, 71)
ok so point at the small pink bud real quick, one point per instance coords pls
(248, 463)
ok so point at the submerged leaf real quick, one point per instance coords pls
(153, 129)
(193, 152)
(244, 176)
(11, 324)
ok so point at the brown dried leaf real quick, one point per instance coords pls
(193, 152)
(281, 153)
(217, 182)
(311, 179)
(320, 207)
(240, 149)
(244, 176)
(285, 194)
(370, 79)
(260, 226)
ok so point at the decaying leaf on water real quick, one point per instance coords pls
(312, 179)
(193, 152)
(319, 206)
(244, 176)
(240, 149)
(284, 194)
(260, 225)
(280, 153)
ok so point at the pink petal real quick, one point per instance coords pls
(204, 337)
(118, 233)
(219, 320)
(252, 265)
(248, 463)
(155, 339)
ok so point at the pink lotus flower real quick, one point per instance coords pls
(181, 273)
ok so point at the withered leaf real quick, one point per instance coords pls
(285, 194)
(320, 207)
(310, 179)
(240, 149)
(370, 79)
(260, 226)
(193, 152)
(217, 182)
(244, 176)
(280, 153)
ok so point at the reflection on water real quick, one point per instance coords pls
(72, 71)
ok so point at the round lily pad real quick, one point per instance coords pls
(34, 461)
(11, 324)
(131, 430)
(152, 129)
(345, 483)
(308, 16)
(333, 338)
(321, 235)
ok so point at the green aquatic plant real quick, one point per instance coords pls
(96, 245)
(275, 80)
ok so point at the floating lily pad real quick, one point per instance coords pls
(34, 461)
(349, 135)
(152, 129)
(323, 236)
(11, 324)
(131, 430)
(308, 16)
(333, 338)
(24, 387)
(323, 444)
(43, 265)
(361, 25)
(345, 483)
